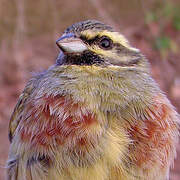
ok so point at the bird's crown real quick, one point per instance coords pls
(88, 24)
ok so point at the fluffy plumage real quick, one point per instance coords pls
(96, 114)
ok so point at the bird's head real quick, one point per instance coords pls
(94, 43)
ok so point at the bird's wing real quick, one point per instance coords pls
(16, 115)
(154, 135)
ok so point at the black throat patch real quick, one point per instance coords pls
(86, 58)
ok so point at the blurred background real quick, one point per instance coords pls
(29, 29)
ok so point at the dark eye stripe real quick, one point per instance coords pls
(90, 41)
(100, 41)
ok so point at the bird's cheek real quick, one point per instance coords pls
(106, 54)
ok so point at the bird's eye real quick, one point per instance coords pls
(105, 43)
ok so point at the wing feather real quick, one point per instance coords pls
(15, 117)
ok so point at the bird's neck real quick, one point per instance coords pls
(106, 86)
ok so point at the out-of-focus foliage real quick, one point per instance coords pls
(167, 15)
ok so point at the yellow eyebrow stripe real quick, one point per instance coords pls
(114, 36)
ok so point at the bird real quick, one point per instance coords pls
(96, 114)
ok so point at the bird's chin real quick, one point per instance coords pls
(67, 58)
(86, 58)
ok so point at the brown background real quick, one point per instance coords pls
(29, 28)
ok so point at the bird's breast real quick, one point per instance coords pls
(57, 122)
(57, 118)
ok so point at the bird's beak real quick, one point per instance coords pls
(70, 44)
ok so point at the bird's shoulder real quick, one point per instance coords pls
(19, 108)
